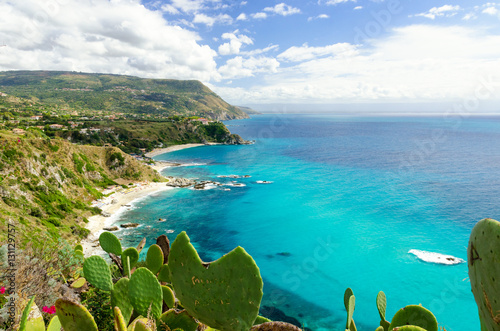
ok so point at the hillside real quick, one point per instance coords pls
(46, 184)
(118, 94)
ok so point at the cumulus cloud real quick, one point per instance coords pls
(490, 10)
(121, 37)
(446, 11)
(321, 16)
(211, 20)
(304, 52)
(239, 67)
(236, 40)
(415, 63)
(358, 7)
(283, 9)
(259, 15)
(242, 17)
(336, 2)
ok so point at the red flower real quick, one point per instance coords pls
(2, 290)
(51, 310)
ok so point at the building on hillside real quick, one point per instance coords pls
(36, 117)
(56, 126)
(203, 121)
(18, 131)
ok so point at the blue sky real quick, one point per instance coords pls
(318, 51)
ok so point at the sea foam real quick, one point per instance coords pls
(436, 257)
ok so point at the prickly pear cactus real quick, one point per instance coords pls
(275, 326)
(415, 316)
(97, 273)
(409, 328)
(484, 271)
(110, 243)
(178, 320)
(130, 256)
(168, 296)
(350, 312)
(154, 258)
(79, 247)
(119, 298)
(164, 274)
(224, 295)
(141, 326)
(120, 324)
(145, 291)
(132, 325)
(32, 319)
(74, 317)
(54, 324)
(260, 320)
(382, 307)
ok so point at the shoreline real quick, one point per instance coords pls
(120, 200)
(116, 204)
(159, 151)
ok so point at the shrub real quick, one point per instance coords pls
(98, 303)
(54, 221)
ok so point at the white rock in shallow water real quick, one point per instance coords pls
(436, 257)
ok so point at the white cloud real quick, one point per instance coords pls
(304, 52)
(239, 67)
(121, 37)
(259, 15)
(211, 20)
(491, 10)
(358, 7)
(469, 16)
(170, 9)
(258, 51)
(336, 2)
(242, 17)
(446, 11)
(415, 63)
(236, 40)
(193, 6)
(283, 9)
(321, 16)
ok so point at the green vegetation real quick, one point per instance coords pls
(116, 94)
(46, 184)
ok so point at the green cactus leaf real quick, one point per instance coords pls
(119, 298)
(133, 257)
(35, 319)
(132, 325)
(120, 324)
(178, 320)
(484, 271)
(225, 295)
(74, 317)
(141, 245)
(260, 320)
(26, 312)
(414, 315)
(168, 296)
(380, 328)
(145, 291)
(381, 305)
(79, 255)
(141, 326)
(110, 243)
(164, 274)
(350, 311)
(347, 294)
(55, 324)
(154, 258)
(97, 273)
(409, 328)
(79, 282)
(79, 247)
(281, 326)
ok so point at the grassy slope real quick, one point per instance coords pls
(46, 185)
(119, 93)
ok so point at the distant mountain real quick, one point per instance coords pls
(249, 110)
(117, 93)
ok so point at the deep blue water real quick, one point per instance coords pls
(350, 197)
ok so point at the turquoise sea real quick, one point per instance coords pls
(350, 197)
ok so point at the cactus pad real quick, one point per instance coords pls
(414, 315)
(141, 326)
(54, 324)
(275, 326)
(97, 273)
(409, 328)
(110, 243)
(260, 320)
(350, 312)
(484, 271)
(154, 258)
(168, 296)
(79, 282)
(119, 298)
(24, 317)
(178, 320)
(145, 291)
(74, 317)
(133, 257)
(164, 274)
(120, 324)
(79, 247)
(224, 295)
(347, 294)
(132, 325)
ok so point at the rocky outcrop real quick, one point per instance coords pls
(129, 225)
(180, 182)
(234, 139)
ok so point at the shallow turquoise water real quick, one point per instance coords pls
(350, 197)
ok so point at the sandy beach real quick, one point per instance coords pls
(159, 151)
(114, 205)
